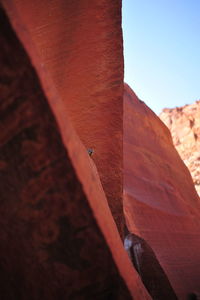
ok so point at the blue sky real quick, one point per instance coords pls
(162, 51)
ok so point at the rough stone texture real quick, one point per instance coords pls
(160, 202)
(58, 238)
(148, 267)
(79, 43)
(184, 125)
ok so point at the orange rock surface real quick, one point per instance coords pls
(62, 94)
(58, 237)
(160, 202)
(184, 125)
(79, 44)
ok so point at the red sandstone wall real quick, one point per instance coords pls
(82, 78)
(79, 43)
(160, 202)
(58, 236)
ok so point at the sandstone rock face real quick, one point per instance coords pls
(61, 165)
(160, 202)
(149, 268)
(184, 124)
(58, 237)
(79, 43)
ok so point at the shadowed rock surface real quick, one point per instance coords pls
(184, 125)
(148, 267)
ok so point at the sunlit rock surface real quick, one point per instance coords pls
(184, 124)
(79, 44)
(58, 237)
(63, 121)
(160, 201)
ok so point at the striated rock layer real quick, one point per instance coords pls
(184, 124)
(79, 43)
(160, 202)
(58, 237)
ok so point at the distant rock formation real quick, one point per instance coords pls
(184, 124)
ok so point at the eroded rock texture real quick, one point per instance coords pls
(58, 237)
(43, 234)
(184, 125)
(61, 165)
(160, 202)
(149, 268)
(51, 246)
(79, 43)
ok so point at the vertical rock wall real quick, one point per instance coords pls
(43, 234)
(161, 204)
(58, 237)
(79, 43)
